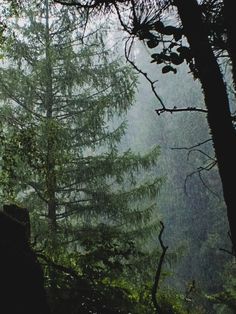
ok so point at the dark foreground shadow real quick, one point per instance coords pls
(21, 277)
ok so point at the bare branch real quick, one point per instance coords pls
(191, 147)
(199, 172)
(227, 251)
(202, 152)
(232, 252)
(152, 84)
(175, 109)
(144, 74)
(158, 271)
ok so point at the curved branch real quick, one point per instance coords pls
(158, 271)
(152, 83)
(199, 172)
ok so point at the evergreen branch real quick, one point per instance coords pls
(140, 232)
(75, 208)
(38, 192)
(61, 268)
(138, 217)
(19, 102)
(12, 119)
(114, 165)
(117, 133)
(148, 188)
(74, 202)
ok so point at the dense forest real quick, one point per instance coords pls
(117, 126)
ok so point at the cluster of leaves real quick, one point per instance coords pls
(173, 52)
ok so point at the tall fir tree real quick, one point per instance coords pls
(64, 94)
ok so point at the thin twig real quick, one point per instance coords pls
(144, 74)
(199, 172)
(191, 147)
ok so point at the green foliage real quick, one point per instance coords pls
(225, 300)
(171, 302)
(64, 96)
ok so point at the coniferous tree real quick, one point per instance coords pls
(64, 94)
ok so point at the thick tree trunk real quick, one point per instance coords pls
(216, 100)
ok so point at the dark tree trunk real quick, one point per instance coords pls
(216, 100)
